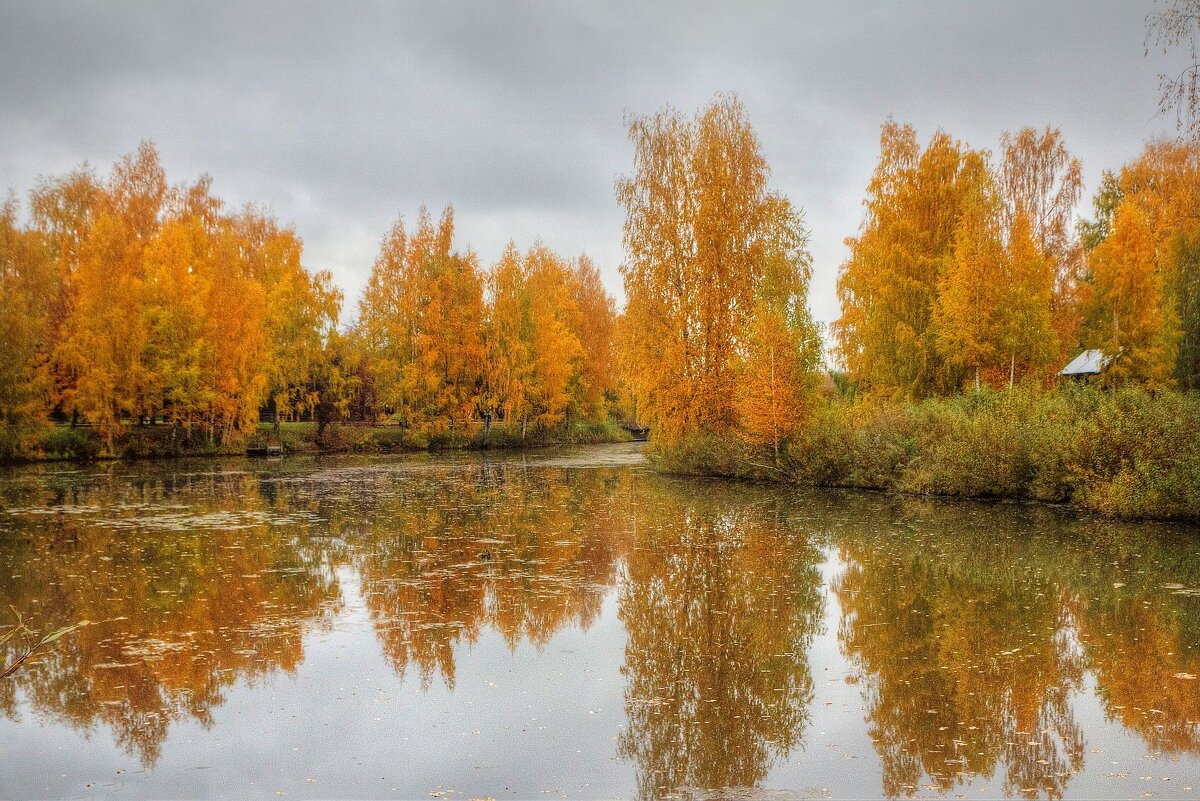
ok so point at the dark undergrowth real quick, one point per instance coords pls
(83, 443)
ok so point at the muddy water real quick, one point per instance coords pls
(568, 624)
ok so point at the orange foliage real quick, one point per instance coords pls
(1144, 266)
(160, 305)
(701, 231)
(962, 270)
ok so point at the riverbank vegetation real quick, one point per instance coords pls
(970, 285)
(1127, 452)
(83, 443)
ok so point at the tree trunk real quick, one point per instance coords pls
(774, 408)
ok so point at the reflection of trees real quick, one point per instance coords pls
(969, 626)
(1145, 669)
(525, 551)
(1142, 638)
(966, 653)
(193, 586)
(721, 602)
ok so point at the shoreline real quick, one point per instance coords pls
(299, 439)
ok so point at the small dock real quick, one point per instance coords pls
(269, 449)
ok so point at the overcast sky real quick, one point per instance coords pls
(340, 117)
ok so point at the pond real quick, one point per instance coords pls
(568, 624)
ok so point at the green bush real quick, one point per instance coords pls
(503, 436)
(163, 441)
(64, 442)
(596, 433)
(852, 444)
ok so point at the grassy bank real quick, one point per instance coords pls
(62, 442)
(1126, 453)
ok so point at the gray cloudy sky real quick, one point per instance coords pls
(341, 116)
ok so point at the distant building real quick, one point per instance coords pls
(1089, 363)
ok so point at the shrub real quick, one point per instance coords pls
(703, 454)
(1127, 453)
(64, 442)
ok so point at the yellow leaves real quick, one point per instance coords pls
(1144, 267)
(702, 231)
(536, 352)
(596, 330)
(888, 288)
(770, 402)
(962, 270)
(28, 285)
(421, 318)
(448, 342)
(1128, 315)
(162, 306)
(553, 341)
(969, 307)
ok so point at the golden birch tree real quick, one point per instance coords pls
(104, 336)
(887, 335)
(553, 344)
(782, 345)
(595, 329)
(28, 287)
(1041, 183)
(1163, 186)
(969, 310)
(1129, 316)
(700, 226)
(508, 361)
(422, 318)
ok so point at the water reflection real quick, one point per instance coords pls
(971, 628)
(967, 659)
(524, 551)
(976, 637)
(186, 600)
(1137, 603)
(722, 599)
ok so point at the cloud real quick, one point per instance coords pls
(340, 117)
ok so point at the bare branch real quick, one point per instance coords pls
(1178, 25)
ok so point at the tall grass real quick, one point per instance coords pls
(1127, 453)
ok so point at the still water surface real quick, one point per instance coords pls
(568, 624)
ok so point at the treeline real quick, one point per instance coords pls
(973, 269)
(445, 344)
(970, 270)
(127, 300)
(717, 334)
(127, 303)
